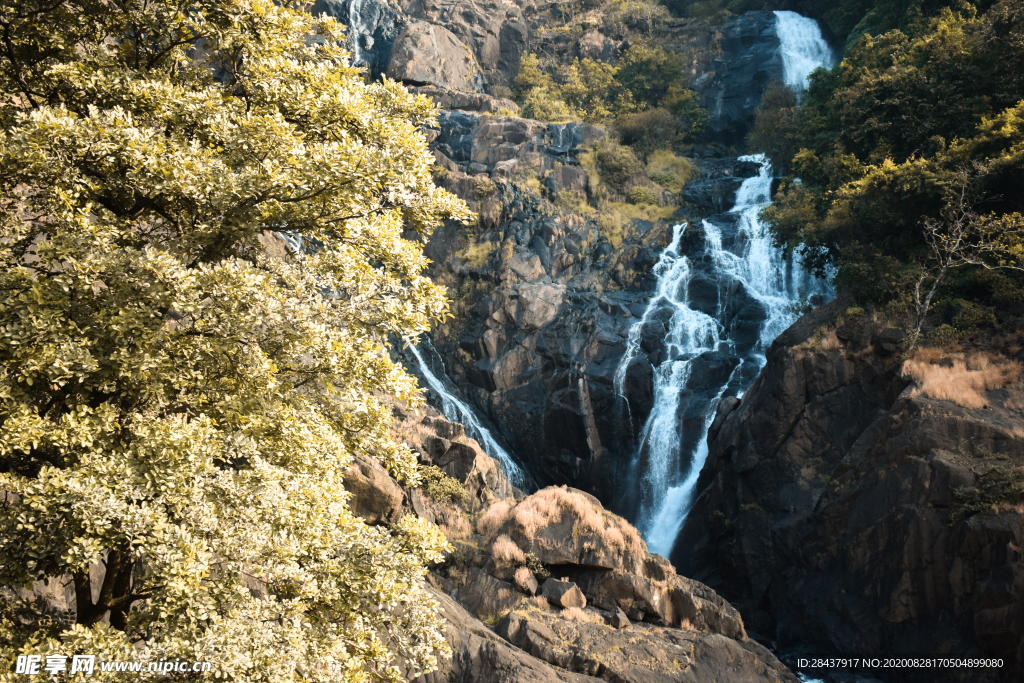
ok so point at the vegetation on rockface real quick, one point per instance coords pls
(846, 20)
(998, 483)
(178, 407)
(881, 145)
(440, 487)
(643, 96)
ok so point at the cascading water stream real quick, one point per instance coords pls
(802, 47)
(737, 255)
(357, 29)
(457, 411)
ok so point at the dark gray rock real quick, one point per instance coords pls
(826, 510)
(731, 91)
(563, 593)
(373, 28)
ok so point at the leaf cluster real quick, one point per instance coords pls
(879, 142)
(178, 401)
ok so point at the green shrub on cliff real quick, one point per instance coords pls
(668, 170)
(178, 406)
(641, 194)
(618, 163)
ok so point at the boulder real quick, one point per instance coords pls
(618, 619)
(426, 54)
(563, 593)
(641, 654)
(525, 581)
(486, 596)
(481, 656)
(376, 497)
(563, 526)
(572, 178)
(533, 306)
(673, 601)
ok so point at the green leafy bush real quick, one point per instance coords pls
(641, 194)
(483, 187)
(618, 163)
(648, 130)
(440, 487)
(668, 170)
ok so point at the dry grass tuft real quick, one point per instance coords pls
(506, 553)
(549, 505)
(959, 379)
(494, 518)
(577, 614)
(522, 576)
(453, 523)
(540, 601)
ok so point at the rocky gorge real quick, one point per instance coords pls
(827, 499)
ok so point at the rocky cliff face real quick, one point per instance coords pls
(839, 506)
(477, 45)
(732, 85)
(544, 301)
(552, 587)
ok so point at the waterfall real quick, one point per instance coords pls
(803, 48)
(457, 411)
(736, 280)
(358, 31)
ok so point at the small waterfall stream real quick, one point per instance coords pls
(709, 297)
(457, 411)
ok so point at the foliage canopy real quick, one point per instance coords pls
(880, 142)
(178, 406)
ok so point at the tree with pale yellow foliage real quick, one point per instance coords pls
(177, 405)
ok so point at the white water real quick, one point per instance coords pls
(457, 411)
(357, 30)
(668, 478)
(803, 48)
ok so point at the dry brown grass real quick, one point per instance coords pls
(453, 523)
(506, 553)
(960, 379)
(578, 614)
(522, 576)
(494, 518)
(549, 505)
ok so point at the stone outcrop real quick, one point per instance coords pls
(449, 99)
(481, 656)
(426, 54)
(676, 629)
(639, 653)
(499, 145)
(495, 31)
(376, 497)
(833, 508)
(731, 89)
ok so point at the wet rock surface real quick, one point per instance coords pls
(731, 89)
(830, 508)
